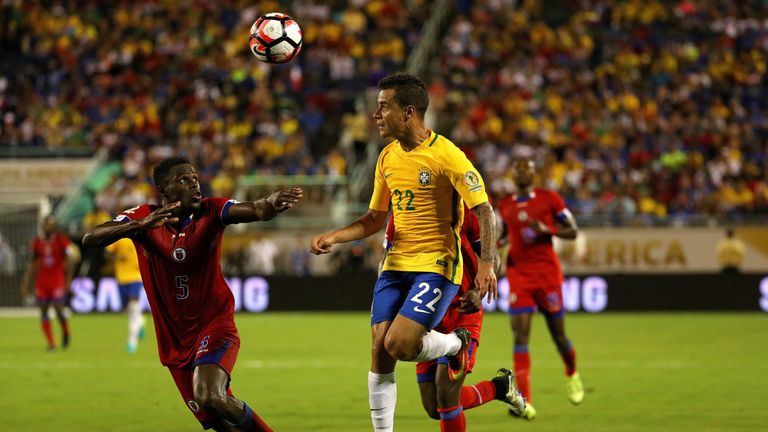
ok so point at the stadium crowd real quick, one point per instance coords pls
(636, 110)
(147, 79)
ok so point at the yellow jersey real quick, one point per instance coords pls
(126, 263)
(425, 188)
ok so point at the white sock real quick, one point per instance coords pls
(382, 397)
(135, 321)
(435, 345)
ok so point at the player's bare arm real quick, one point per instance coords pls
(485, 280)
(367, 225)
(110, 232)
(565, 227)
(265, 208)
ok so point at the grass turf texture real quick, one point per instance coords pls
(307, 372)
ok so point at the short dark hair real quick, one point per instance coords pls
(409, 90)
(161, 170)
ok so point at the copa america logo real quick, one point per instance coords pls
(179, 254)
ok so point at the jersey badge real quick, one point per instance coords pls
(522, 216)
(179, 254)
(473, 181)
(425, 176)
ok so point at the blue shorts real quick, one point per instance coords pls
(420, 296)
(130, 291)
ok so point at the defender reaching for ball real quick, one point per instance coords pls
(179, 249)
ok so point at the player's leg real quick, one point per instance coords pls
(449, 406)
(130, 294)
(45, 322)
(411, 337)
(556, 325)
(183, 379)
(425, 377)
(388, 295)
(61, 315)
(209, 383)
(521, 308)
(521, 329)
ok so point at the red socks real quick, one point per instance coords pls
(478, 394)
(569, 358)
(523, 370)
(452, 419)
(46, 324)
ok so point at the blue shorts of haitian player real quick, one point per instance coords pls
(421, 296)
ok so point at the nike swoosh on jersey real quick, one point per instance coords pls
(387, 175)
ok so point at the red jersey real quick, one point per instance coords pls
(470, 238)
(532, 260)
(181, 271)
(51, 265)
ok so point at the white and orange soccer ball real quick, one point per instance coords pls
(275, 38)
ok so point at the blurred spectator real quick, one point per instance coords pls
(7, 258)
(147, 79)
(657, 105)
(298, 258)
(261, 255)
(730, 253)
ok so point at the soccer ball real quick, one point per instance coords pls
(275, 38)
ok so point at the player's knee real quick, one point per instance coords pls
(211, 400)
(560, 340)
(400, 348)
(432, 412)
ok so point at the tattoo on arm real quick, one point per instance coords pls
(487, 222)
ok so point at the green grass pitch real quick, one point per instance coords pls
(307, 372)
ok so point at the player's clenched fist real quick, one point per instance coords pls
(321, 244)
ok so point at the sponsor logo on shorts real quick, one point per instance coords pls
(203, 345)
(179, 254)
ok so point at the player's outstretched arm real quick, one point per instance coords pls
(367, 225)
(485, 280)
(265, 208)
(110, 232)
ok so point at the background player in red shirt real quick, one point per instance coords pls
(179, 249)
(51, 267)
(438, 392)
(531, 217)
